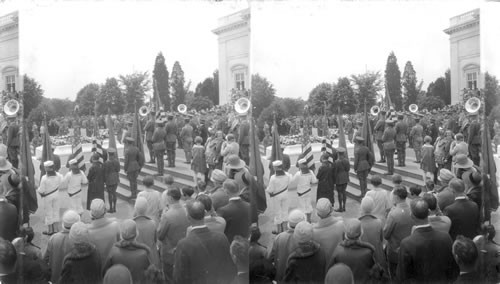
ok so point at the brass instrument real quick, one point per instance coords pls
(375, 110)
(182, 108)
(473, 105)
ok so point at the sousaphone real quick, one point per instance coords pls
(473, 105)
(11, 108)
(242, 106)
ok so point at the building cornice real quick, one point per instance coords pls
(230, 27)
(461, 27)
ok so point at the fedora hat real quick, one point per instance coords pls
(4, 164)
(463, 162)
(234, 162)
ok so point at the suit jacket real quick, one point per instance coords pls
(13, 135)
(134, 159)
(244, 133)
(149, 129)
(203, 130)
(187, 133)
(379, 129)
(159, 139)
(237, 216)
(341, 168)
(203, 257)
(397, 227)
(171, 129)
(464, 216)
(425, 256)
(389, 138)
(474, 136)
(363, 159)
(172, 229)
(401, 131)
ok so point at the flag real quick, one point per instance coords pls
(490, 191)
(257, 190)
(276, 153)
(111, 132)
(46, 147)
(29, 197)
(342, 142)
(308, 155)
(366, 131)
(136, 131)
(327, 144)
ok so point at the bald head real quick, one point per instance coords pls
(420, 209)
(231, 187)
(196, 210)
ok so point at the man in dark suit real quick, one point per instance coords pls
(401, 131)
(244, 139)
(463, 213)
(134, 161)
(379, 134)
(202, 256)
(474, 139)
(425, 256)
(13, 143)
(159, 141)
(389, 139)
(466, 255)
(171, 130)
(363, 162)
(236, 213)
(149, 129)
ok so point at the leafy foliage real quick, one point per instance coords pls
(134, 87)
(33, 95)
(263, 94)
(199, 103)
(160, 78)
(447, 92)
(393, 81)
(343, 98)
(367, 86)
(429, 102)
(319, 96)
(491, 92)
(284, 108)
(409, 85)
(53, 108)
(207, 89)
(85, 99)
(110, 96)
(177, 82)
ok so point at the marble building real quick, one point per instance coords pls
(9, 53)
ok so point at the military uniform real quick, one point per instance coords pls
(13, 143)
(244, 141)
(379, 133)
(401, 131)
(474, 141)
(363, 162)
(416, 134)
(186, 138)
(159, 141)
(134, 161)
(389, 138)
(149, 129)
(171, 139)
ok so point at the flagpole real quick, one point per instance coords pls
(21, 189)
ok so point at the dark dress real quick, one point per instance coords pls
(326, 182)
(96, 183)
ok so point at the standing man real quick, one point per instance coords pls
(474, 139)
(171, 139)
(379, 134)
(363, 162)
(244, 139)
(401, 131)
(236, 213)
(416, 134)
(159, 140)
(13, 142)
(433, 130)
(134, 161)
(389, 145)
(149, 129)
(203, 131)
(111, 178)
(186, 138)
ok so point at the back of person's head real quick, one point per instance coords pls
(196, 210)
(397, 179)
(254, 233)
(169, 180)
(27, 233)
(8, 257)
(205, 200)
(475, 178)
(261, 271)
(367, 205)
(429, 184)
(457, 186)
(117, 274)
(239, 250)
(376, 180)
(431, 200)
(465, 251)
(339, 274)
(187, 191)
(401, 192)
(148, 181)
(419, 209)
(174, 193)
(352, 228)
(459, 137)
(231, 187)
(201, 185)
(415, 190)
(427, 139)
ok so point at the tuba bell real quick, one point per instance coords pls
(375, 110)
(473, 105)
(182, 108)
(242, 106)
(413, 108)
(143, 111)
(11, 108)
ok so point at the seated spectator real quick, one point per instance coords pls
(339, 274)
(466, 255)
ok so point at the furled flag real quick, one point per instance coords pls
(29, 197)
(327, 144)
(490, 192)
(136, 131)
(342, 142)
(111, 133)
(257, 190)
(308, 155)
(366, 131)
(46, 147)
(276, 153)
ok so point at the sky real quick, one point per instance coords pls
(66, 45)
(298, 45)
(490, 38)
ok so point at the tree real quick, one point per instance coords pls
(85, 99)
(320, 95)
(215, 99)
(177, 82)
(409, 85)
(291, 106)
(32, 96)
(269, 113)
(206, 89)
(110, 96)
(367, 86)
(52, 108)
(429, 102)
(199, 103)
(343, 97)
(262, 94)
(491, 92)
(135, 86)
(437, 89)
(393, 81)
(160, 77)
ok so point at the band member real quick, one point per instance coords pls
(474, 139)
(48, 190)
(401, 131)
(134, 161)
(111, 178)
(13, 142)
(363, 162)
(416, 135)
(244, 139)
(389, 145)
(278, 192)
(379, 134)
(74, 180)
(186, 136)
(171, 139)
(149, 129)
(159, 145)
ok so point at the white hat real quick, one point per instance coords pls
(323, 207)
(97, 208)
(79, 233)
(302, 161)
(295, 216)
(48, 163)
(303, 232)
(73, 161)
(277, 163)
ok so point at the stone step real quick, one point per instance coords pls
(411, 170)
(181, 171)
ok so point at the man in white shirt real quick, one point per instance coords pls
(74, 180)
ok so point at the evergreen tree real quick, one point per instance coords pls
(491, 92)
(177, 83)
(33, 95)
(393, 81)
(447, 95)
(410, 85)
(160, 77)
(215, 99)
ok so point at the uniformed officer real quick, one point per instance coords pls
(186, 138)
(401, 130)
(159, 145)
(389, 139)
(416, 135)
(149, 129)
(474, 139)
(244, 139)
(379, 133)
(134, 161)
(171, 130)
(363, 162)
(13, 142)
